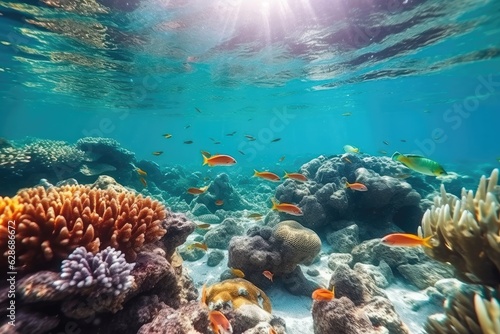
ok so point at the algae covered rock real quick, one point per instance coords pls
(340, 316)
(219, 236)
(325, 200)
(344, 240)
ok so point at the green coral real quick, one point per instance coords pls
(467, 232)
(301, 245)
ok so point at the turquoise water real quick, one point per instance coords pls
(137, 72)
(301, 78)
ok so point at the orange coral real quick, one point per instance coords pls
(51, 223)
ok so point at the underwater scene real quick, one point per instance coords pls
(249, 166)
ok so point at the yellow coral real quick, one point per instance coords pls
(467, 311)
(237, 292)
(488, 314)
(301, 244)
(467, 231)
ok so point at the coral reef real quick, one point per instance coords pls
(106, 272)
(23, 164)
(467, 231)
(325, 199)
(234, 293)
(246, 306)
(470, 310)
(108, 151)
(53, 222)
(97, 292)
(278, 250)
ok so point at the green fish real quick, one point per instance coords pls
(420, 164)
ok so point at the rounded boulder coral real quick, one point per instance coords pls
(300, 244)
(50, 224)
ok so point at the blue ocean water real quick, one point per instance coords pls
(274, 84)
(423, 72)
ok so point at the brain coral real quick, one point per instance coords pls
(51, 223)
(301, 244)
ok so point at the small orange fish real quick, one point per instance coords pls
(197, 191)
(322, 294)
(203, 226)
(218, 160)
(157, 153)
(219, 202)
(266, 176)
(219, 323)
(237, 273)
(296, 176)
(406, 240)
(198, 245)
(291, 209)
(272, 331)
(141, 172)
(356, 186)
(269, 275)
(143, 181)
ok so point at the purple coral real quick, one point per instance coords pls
(107, 271)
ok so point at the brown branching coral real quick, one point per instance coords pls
(467, 232)
(236, 292)
(51, 223)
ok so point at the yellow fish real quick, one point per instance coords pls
(237, 272)
(420, 164)
(198, 245)
(255, 216)
(350, 149)
(203, 226)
